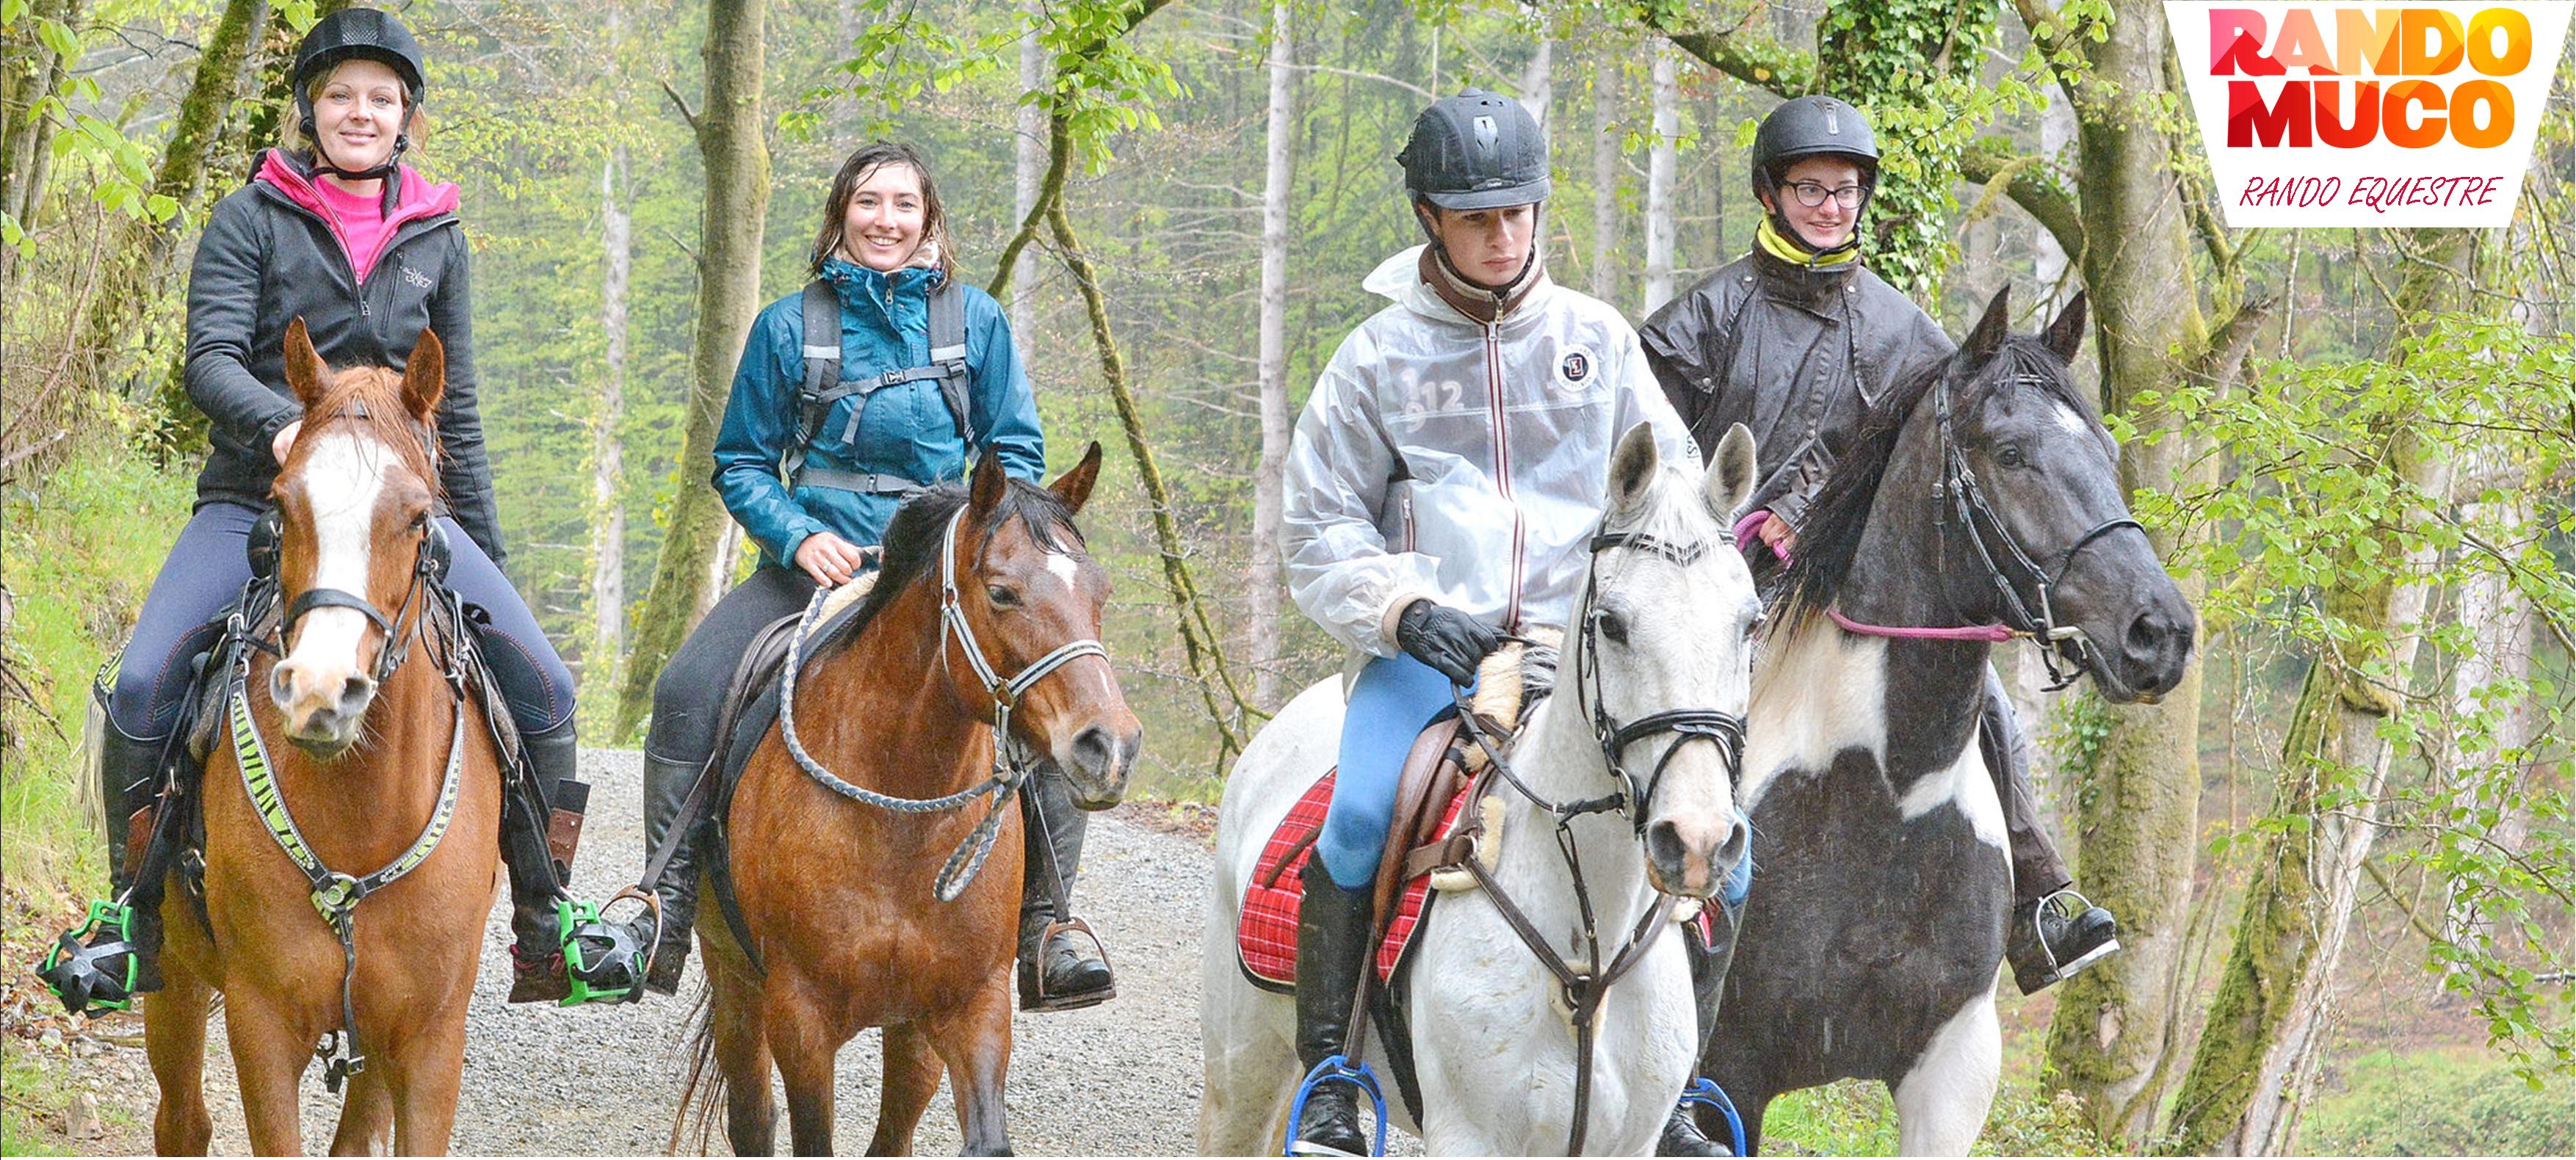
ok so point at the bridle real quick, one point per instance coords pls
(1963, 501)
(1584, 990)
(1012, 760)
(430, 558)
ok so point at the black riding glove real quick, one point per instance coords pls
(1445, 639)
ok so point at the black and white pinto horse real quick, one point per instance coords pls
(1985, 495)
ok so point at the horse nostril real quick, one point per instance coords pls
(1731, 851)
(1664, 845)
(355, 692)
(1095, 751)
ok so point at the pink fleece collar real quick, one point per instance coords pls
(416, 198)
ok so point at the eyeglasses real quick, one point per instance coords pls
(1811, 194)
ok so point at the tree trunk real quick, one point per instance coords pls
(2139, 813)
(1029, 166)
(139, 249)
(608, 457)
(736, 202)
(1604, 277)
(1538, 84)
(29, 72)
(1262, 638)
(2266, 1024)
(1662, 158)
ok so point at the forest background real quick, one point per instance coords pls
(2340, 852)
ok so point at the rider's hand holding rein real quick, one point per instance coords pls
(829, 559)
(284, 441)
(1446, 639)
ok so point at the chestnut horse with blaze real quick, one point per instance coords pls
(385, 754)
(984, 619)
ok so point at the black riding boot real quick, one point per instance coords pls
(1069, 970)
(666, 788)
(1683, 1135)
(540, 831)
(129, 782)
(2055, 931)
(1334, 930)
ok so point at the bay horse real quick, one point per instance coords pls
(1664, 626)
(386, 755)
(1981, 502)
(865, 913)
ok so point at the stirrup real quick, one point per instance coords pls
(95, 966)
(1032, 976)
(605, 962)
(1705, 1092)
(1334, 1069)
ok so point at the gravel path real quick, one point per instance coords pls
(1120, 1078)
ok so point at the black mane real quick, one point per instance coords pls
(1839, 513)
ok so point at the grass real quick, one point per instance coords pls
(2442, 1102)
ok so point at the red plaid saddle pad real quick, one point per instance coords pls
(1266, 936)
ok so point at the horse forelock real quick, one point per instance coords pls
(367, 402)
(911, 545)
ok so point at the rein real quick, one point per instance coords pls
(336, 895)
(1967, 504)
(1011, 759)
(1586, 989)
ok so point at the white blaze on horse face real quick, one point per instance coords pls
(2069, 421)
(1064, 567)
(343, 478)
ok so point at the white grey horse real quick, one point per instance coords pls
(1669, 613)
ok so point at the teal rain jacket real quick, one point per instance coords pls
(905, 430)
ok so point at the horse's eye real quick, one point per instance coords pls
(1001, 597)
(1612, 625)
(2009, 455)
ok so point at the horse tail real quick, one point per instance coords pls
(704, 1092)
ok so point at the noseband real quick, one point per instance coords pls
(1011, 757)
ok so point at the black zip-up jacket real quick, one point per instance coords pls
(1797, 355)
(267, 259)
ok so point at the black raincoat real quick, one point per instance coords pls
(1797, 355)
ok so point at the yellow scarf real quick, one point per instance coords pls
(1773, 243)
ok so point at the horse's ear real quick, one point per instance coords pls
(1730, 474)
(304, 369)
(1988, 337)
(2066, 335)
(1632, 469)
(1074, 487)
(985, 492)
(425, 376)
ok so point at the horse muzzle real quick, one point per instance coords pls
(322, 709)
(1096, 761)
(1694, 857)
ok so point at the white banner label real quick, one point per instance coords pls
(2347, 115)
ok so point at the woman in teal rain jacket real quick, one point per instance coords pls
(815, 481)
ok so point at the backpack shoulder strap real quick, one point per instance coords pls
(948, 354)
(822, 372)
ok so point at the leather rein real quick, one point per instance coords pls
(1584, 990)
(1012, 760)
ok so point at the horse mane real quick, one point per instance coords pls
(383, 416)
(1839, 513)
(912, 539)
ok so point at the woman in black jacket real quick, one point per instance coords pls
(368, 253)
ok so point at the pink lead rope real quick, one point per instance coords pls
(1748, 527)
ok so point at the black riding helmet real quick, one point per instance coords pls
(357, 34)
(1476, 150)
(1804, 127)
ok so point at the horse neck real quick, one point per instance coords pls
(1557, 755)
(1930, 690)
(895, 703)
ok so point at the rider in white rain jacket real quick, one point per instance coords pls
(1444, 484)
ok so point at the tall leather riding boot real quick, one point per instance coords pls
(1334, 930)
(666, 788)
(1682, 1134)
(129, 783)
(1068, 971)
(2055, 932)
(540, 829)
